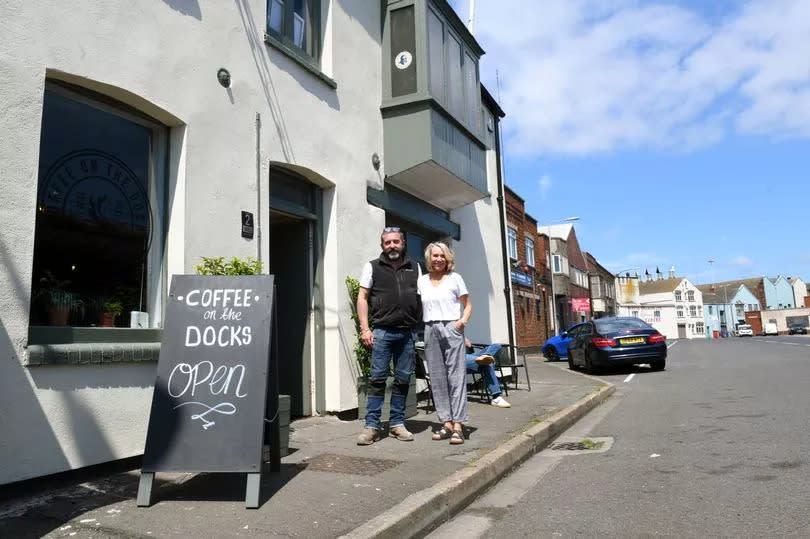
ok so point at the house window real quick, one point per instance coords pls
(455, 90)
(295, 23)
(634, 312)
(512, 243)
(557, 264)
(711, 309)
(680, 312)
(699, 328)
(436, 56)
(739, 308)
(453, 73)
(677, 295)
(538, 307)
(690, 295)
(530, 252)
(472, 92)
(657, 316)
(700, 310)
(692, 311)
(98, 240)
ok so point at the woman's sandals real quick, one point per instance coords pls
(457, 438)
(442, 434)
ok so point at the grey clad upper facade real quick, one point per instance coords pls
(433, 120)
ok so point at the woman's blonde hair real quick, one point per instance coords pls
(449, 255)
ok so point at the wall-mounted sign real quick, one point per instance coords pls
(403, 60)
(581, 305)
(247, 225)
(523, 279)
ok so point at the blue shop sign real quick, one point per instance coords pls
(523, 279)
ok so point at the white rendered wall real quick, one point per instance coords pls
(479, 259)
(162, 59)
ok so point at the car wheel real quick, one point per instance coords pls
(551, 354)
(588, 365)
(658, 364)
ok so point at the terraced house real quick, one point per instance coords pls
(147, 135)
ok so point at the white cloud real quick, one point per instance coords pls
(595, 75)
(545, 186)
(743, 261)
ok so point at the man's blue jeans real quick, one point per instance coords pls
(487, 372)
(390, 345)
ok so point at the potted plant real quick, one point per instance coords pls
(56, 302)
(60, 305)
(110, 308)
(362, 356)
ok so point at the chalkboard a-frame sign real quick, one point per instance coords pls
(208, 405)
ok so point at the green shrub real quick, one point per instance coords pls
(237, 266)
(361, 353)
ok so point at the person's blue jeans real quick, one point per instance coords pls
(487, 372)
(390, 345)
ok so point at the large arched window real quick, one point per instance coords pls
(98, 242)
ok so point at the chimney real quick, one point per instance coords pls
(647, 276)
(658, 274)
(672, 272)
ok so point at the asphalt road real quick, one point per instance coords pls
(714, 446)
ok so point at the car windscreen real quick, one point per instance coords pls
(618, 324)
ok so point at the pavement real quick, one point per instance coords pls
(328, 486)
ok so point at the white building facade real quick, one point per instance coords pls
(149, 136)
(799, 291)
(673, 306)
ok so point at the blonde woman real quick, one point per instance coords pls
(446, 310)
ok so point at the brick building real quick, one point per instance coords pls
(572, 298)
(530, 275)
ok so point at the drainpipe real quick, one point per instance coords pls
(258, 187)
(507, 292)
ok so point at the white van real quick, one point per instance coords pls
(770, 329)
(744, 330)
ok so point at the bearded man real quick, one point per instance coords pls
(388, 285)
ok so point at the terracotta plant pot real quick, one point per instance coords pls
(107, 320)
(58, 317)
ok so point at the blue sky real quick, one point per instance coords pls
(678, 131)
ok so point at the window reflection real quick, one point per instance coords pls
(94, 222)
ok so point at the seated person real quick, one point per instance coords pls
(481, 363)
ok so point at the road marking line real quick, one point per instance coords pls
(630, 377)
(671, 345)
(792, 343)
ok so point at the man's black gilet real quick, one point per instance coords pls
(394, 300)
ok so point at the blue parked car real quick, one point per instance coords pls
(556, 347)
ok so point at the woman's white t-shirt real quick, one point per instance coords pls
(442, 302)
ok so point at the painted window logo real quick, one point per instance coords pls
(403, 60)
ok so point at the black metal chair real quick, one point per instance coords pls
(509, 357)
(421, 371)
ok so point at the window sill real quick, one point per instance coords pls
(76, 346)
(300, 59)
(91, 353)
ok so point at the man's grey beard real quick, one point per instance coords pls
(393, 255)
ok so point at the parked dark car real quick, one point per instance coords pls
(619, 341)
(797, 329)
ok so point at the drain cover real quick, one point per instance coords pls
(582, 445)
(329, 462)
